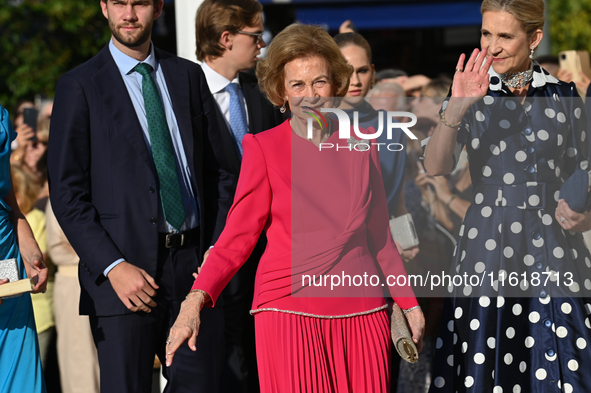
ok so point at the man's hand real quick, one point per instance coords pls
(205, 256)
(134, 286)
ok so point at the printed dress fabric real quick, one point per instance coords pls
(20, 364)
(324, 212)
(519, 156)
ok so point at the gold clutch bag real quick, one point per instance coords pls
(401, 336)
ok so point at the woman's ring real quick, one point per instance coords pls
(168, 341)
(562, 219)
(458, 70)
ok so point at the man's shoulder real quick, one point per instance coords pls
(164, 56)
(92, 65)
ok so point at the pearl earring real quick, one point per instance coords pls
(531, 55)
(283, 109)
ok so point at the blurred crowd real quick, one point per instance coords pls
(64, 336)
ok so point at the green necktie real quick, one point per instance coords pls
(162, 150)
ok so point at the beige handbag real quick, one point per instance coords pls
(401, 336)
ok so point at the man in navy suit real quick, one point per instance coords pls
(141, 192)
(229, 39)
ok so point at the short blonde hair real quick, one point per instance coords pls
(298, 41)
(530, 13)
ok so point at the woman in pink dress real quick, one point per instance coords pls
(324, 213)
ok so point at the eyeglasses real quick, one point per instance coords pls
(258, 37)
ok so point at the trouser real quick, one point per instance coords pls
(76, 352)
(239, 369)
(127, 343)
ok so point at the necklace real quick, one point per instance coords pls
(518, 80)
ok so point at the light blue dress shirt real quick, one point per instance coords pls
(133, 83)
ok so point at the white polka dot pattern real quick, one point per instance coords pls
(528, 343)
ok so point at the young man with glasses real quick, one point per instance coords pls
(229, 39)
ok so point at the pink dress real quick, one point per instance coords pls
(324, 213)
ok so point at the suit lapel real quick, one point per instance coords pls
(110, 85)
(252, 97)
(227, 141)
(177, 82)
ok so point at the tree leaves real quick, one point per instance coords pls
(569, 24)
(42, 39)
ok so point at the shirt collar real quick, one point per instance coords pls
(125, 63)
(216, 82)
(540, 78)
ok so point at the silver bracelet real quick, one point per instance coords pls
(410, 309)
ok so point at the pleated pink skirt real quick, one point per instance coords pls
(298, 353)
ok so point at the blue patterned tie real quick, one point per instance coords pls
(237, 116)
(162, 150)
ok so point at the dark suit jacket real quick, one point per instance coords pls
(261, 116)
(102, 183)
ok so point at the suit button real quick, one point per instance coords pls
(539, 265)
(531, 169)
(153, 221)
(550, 352)
(536, 235)
(530, 150)
(527, 131)
(152, 190)
(547, 322)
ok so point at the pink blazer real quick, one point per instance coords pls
(324, 214)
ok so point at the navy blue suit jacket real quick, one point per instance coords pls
(102, 183)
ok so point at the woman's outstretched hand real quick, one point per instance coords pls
(471, 79)
(186, 326)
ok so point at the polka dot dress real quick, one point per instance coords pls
(532, 338)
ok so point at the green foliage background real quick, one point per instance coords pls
(570, 24)
(42, 39)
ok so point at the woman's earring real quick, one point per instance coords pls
(531, 55)
(282, 109)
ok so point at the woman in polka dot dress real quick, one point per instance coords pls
(525, 132)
